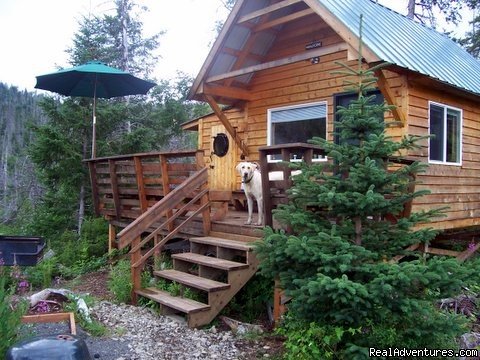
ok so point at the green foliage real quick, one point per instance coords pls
(177, 289)
(10, 323)
(251, 302)
(41, 275)
(94, 237)
(119, 281)
(89, 324)
(310, 341)
(336, 263)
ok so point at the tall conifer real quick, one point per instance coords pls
(346, 222)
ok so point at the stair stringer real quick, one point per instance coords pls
(219, 299)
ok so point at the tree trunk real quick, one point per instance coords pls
(411, 9)
(81, 200)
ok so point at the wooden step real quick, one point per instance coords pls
(237, 237)
(184, 305)
(212, 262)
(225, 243)
(194, 281)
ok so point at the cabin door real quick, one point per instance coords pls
(223, 157)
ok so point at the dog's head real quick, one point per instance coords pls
(246, 169)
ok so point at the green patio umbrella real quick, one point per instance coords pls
(94, 80)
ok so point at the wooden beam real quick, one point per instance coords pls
(280, 62)
(225, 91)
(284, 19)
(223, 119)
(93, 181)
(166, 185)
(219, 42)
(341, 29)
(386, 90)
(246, 49)
(114, 184)
(142, 197)
(236, 53)
(51, 318)
(267, 10)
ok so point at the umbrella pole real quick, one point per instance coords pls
(94, 120)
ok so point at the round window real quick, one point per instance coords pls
(220, 144)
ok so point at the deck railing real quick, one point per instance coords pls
(273, 161)
(274, 189)
(125, 186)
(165, 220)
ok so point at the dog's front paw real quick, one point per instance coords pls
(248, 222)
(259, 223)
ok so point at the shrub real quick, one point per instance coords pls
(10, 319)
(337, 263)
(251, 302)
(120, 282)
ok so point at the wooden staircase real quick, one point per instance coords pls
(217, 267)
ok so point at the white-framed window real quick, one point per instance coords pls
(297, 123)
(445, 129)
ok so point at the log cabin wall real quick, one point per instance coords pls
(298, 83)
(457, 187)
(304, 82)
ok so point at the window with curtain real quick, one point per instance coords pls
(445, 125)
(298, 123)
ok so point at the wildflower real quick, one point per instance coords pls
(42, 307)
(471, 246)
(23, 286)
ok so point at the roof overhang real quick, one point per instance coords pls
(243, 45)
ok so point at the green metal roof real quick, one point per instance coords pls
(398, 40)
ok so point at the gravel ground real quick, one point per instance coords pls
(140, 334)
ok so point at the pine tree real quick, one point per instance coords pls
(336, 262)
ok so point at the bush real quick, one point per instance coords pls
(10, 320)
(310, 341)
(41, 275)
(251, 302)
(120, 282)
(337, 261)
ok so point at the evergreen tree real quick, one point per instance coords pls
(337, 262)
(471, 41)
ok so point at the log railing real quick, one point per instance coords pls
(125, 186)
(165, 220)
(274, 189)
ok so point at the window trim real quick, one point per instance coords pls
(289, 107)
(445, 108)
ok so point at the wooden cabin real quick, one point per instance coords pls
(270, 83)
(272, 65)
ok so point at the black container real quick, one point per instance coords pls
(56, 347)
(21, 250)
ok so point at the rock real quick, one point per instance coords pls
(469, 341)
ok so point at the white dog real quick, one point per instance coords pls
(252, 186)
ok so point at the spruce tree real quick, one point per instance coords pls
(345, 228)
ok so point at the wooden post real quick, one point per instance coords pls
(207, 222)
(199, 159)
(267, 199)
(278, 307)
(93, 181)
(166, 187)
(136, 271)
(142, 197)
(112, 233)
(114, 184)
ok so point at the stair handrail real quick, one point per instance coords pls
(131, 235)
(157, 211)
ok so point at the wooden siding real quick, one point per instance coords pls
(304, 82)
(455, 187)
